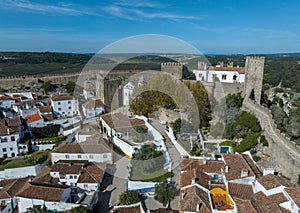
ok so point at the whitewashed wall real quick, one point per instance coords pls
(20, 172)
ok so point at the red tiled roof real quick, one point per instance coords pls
(92, 173)
(4, 130)
(209, 167)
(122, 123)
(33, 118)
(61, 97)
(13, 122)
(240, 70)
(4, 98)
(82, 148)
(241, 191)
(236, 164)
(252, 165)
(48, 117)
(93, 104)
(44, 109)
(200, 177)
(294, 193)
(271, 181)
(41, 192)
(263, 203)
(11, 187)
(244, 206)
(192, 197)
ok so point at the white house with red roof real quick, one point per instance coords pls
(9, 142)
(35, 120)
(6, 102)
(221, 73)
(93, 108)
(64, 105)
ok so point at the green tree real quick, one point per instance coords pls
(139, 134)
(80, 209)
(70, 86)
(40, 209)
(48, 86)
(164, 192)
(127, 198)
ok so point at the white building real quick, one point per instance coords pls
(127, 93)
(93, 108)
(83, 174)
(99, 153)
(35, 120)
(6, 102)
(88, 94)
(8, 139)
(220, 74)
(64, 105)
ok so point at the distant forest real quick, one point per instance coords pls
(284, 68)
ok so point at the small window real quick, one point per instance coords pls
(58, 103)
(234, 78)
(105, 156)
(71, 176)
(70, 107)
(12, 138)
(4, 149)
(67, 156)
(11, 149)
(91, 156)
(85, 185)
(79, 156)
(75, 176)
(224, 76)
(59, 109)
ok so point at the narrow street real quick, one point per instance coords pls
(175, 156)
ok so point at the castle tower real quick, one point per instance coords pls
(106, 89)
(254, 72)
(176, 69)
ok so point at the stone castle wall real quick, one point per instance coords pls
(284, 151)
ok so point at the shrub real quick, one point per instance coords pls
(248, 143)
(127, 198)
(256, 158)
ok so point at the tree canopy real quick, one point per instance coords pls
(164, 192)
(127, 198)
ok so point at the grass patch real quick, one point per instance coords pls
(35, 158)
(226, 143)
(157, 176)
(185, 144)
(248, 143)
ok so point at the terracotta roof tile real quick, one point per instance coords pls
(209, 167)
(241, 191)
(244, 206)
(41, 192)
(44, 109)
(33, 118)
(294, 193)
(11, 187)
(13, 122)
(240, 70)
(271, 181)
(263, 203)
(4, 130)
(61, 97)
(93, 104)
(236, 164)
(5, 98)
(48, 117)
(92, 173)
(82, 149)
(122, 123)
(192, 197)
(252, 165)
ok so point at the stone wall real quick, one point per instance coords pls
(284, 151)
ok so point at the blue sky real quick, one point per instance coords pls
(212, 26)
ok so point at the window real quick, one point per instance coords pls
(91, 156)
(11, 149)
(75, 176)
(67, 156)
(71, 176)
(224, 76)
(69, 102)
(59, 109)
(79, 156)
(85, 185)
(12, 138)
(105, 156)
(3, 149)
(200, 75)
(58, 103)
(234, 77)
(70, 107)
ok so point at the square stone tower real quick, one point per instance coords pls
(176, 69)
(106, 89)
(254, 73)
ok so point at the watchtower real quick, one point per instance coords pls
(177, 69)
(254, 72)
(106, 89)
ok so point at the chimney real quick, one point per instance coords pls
(8, 132)
(198, 207)
(204, 160)
(226, 169)
(193, 180)
(244, 173)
